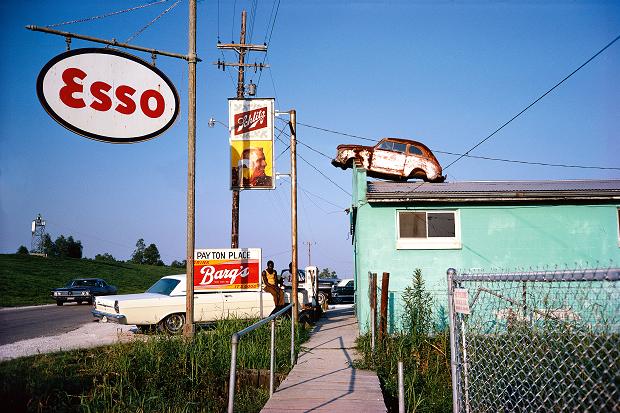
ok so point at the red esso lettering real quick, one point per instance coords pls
(152, 102)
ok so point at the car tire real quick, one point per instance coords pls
(323, 298)
(173, 324)
(59, 302)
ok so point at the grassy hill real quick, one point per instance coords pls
(27, 280)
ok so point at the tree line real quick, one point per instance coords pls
(68, 247)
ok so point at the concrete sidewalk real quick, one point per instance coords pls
(323, 379)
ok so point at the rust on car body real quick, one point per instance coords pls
(392, 158)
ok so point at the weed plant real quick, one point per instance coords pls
(159, 374)
(423, 345)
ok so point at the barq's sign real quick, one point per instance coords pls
(107, 95)
(227, 269)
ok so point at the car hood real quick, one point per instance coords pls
(72, 289)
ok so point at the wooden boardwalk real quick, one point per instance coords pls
(323, 379)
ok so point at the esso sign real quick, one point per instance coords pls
(107, 95)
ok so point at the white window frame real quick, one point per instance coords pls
(434, 243)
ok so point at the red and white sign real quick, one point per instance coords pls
(251, 119)
(107, 95)
(461, 300)
(227, 269)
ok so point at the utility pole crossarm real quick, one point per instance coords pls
(254, 65)
(242, 46)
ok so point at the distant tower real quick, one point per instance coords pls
(38, 231)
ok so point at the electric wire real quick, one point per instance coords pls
(531, 162)
(101, 16)
(253, 9)
(232, 28)
(466, 155)
(533, 103)
(268, 42)
(317, 196)
(149, 24)
(318, 170)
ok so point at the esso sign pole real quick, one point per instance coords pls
(107, 95)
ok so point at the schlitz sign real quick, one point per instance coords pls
(251, 143)
(107, 95)
(251, 119)
(227, 269)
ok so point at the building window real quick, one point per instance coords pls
(428, 230)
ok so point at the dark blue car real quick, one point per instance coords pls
(82, 290)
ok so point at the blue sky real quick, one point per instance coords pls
(444, 73)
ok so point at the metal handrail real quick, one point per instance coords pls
(233, 356)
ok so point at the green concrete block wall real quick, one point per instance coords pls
(494, 239)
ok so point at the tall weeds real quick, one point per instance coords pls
(423, 345)
(160, 374)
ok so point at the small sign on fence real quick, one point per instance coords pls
(461, 300)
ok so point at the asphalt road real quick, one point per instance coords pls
(40, 321)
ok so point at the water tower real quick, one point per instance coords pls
(38, 231)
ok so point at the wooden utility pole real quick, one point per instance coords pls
(293, 126)
(188, 329)
(241, 48)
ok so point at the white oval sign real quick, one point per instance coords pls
(107, 95)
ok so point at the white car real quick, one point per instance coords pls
(163, 305)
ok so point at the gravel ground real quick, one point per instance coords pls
(88, 335)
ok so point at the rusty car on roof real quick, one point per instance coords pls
(392, 158)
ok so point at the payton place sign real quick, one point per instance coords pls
(107, 95)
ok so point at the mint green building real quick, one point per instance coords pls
(487, 226)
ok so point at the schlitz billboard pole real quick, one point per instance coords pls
(242, 48)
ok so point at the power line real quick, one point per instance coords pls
(268, 41)
(101, 16)
(139, 32)
(464, 154)
(530, 162)
(336, 132)
(533, 103)
(318, 196)
(318, 170)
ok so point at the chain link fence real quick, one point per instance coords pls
(535, 341)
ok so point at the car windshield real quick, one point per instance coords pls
(163, 286)
(81, 283)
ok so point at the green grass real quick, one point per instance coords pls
(27, 280)
(161, 374)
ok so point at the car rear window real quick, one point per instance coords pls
(163, 286)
